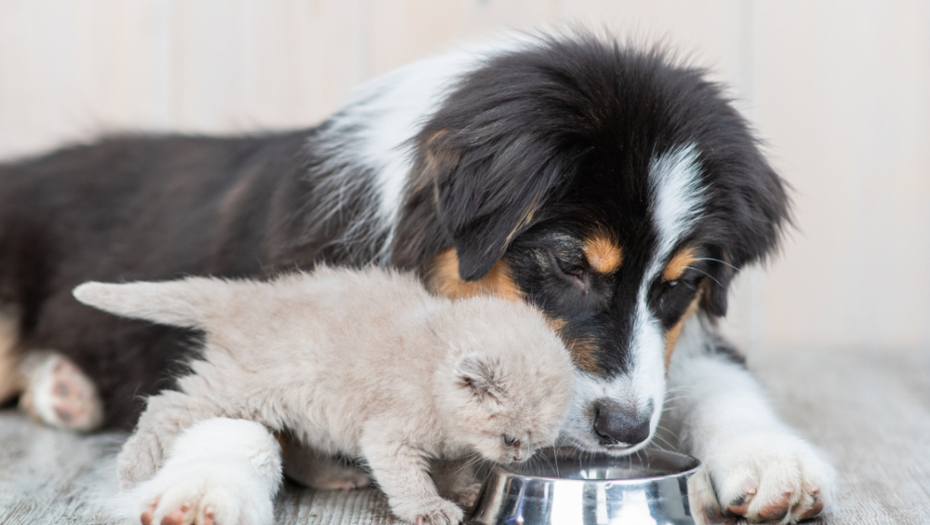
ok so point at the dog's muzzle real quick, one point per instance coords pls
(619, 425)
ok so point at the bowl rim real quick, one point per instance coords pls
(684, 473)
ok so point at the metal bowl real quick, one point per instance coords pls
(564, 487)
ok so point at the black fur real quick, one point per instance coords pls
(526, 157)
(570, 129)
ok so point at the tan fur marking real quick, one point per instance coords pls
(436, 157)
(582, 352)
(679, 263)
(671, 335)
(442, 278)
(525, 218)
(11, 382)
(603, 253)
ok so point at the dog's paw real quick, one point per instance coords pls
(771, 477)
(208, 493)
(60, 395)
(429, 511)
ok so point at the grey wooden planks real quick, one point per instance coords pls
(870, 409)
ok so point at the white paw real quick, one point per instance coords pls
(60, 395)
(428, 511)
(770, 477)
(219, 472)
(203, 493)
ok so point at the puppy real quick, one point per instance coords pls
(364, 364)
(614, 187)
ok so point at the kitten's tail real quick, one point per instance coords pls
(185, 302)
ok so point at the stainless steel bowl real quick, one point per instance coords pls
(564, 487)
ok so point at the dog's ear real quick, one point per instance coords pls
(484, 192)
(751, 210)
(488, 197)
(717, 286)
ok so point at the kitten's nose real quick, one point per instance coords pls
(616, 424)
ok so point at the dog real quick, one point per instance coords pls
(616, 189)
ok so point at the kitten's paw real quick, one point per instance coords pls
(60, 395)
(771, 477)
(212, 493)
(430, 511)
(466, 497)
(346, 479)
(440, 513)
(317, 471)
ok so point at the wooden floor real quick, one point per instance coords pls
(870, 410)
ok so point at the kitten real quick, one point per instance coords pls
(361, 363)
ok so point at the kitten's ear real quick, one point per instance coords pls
(479, 374)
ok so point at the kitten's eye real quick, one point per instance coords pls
(509, 440)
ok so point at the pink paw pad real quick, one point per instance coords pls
(60, 395)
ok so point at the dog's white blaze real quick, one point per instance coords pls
(677, 196)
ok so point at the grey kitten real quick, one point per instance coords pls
(361, 363)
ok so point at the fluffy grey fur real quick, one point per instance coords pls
(361, 363)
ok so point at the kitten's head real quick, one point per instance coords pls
(510, 383)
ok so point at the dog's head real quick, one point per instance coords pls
(615, 190)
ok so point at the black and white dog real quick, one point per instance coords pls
(615, 189)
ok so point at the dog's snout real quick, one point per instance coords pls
(616, 424)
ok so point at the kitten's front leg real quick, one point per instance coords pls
(166, 416)
(760, 468)
(402, 473)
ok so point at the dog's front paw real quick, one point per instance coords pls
(203, 493)
(429, 511)
(771, 477)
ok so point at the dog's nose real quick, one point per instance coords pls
(616, 424)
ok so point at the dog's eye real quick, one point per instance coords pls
(576, 271)
(509, 440)
(673, 283)
(570, 269)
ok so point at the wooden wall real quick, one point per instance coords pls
(840, 91)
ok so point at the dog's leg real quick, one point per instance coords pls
(310, 468)
(219, 471)
(759, 467)
(11, 379)
(57, 393)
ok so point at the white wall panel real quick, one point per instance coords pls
(840, 91)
